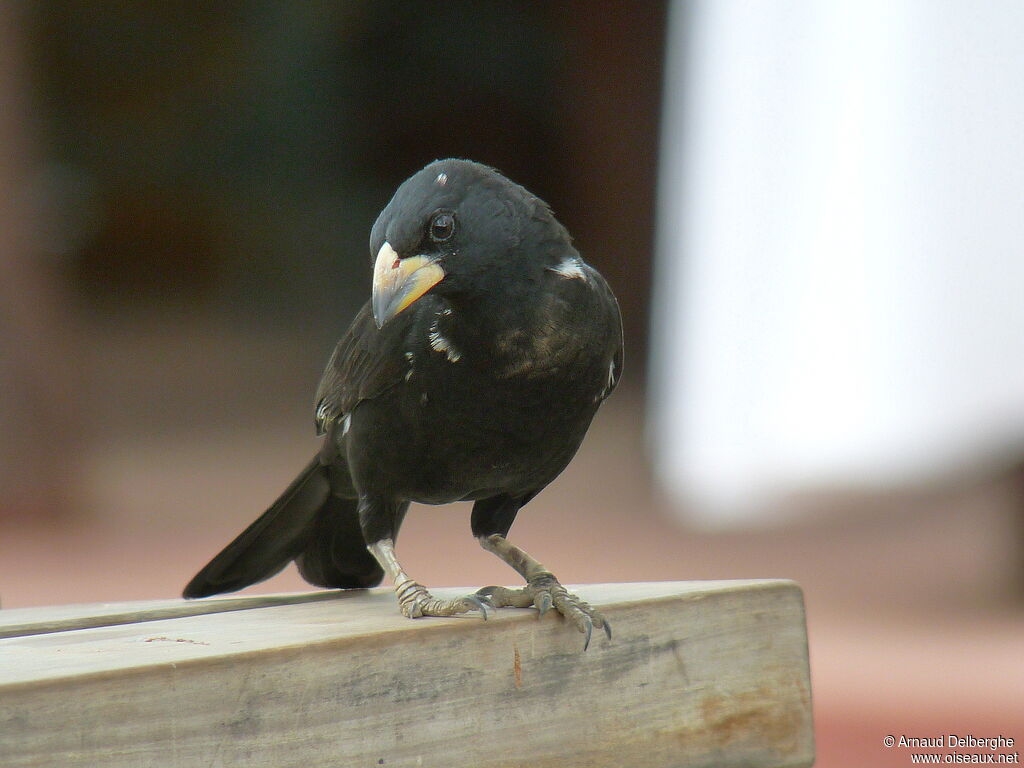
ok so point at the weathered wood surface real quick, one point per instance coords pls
(698, 674)
(20, 622)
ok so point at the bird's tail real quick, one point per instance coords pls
(307, 524)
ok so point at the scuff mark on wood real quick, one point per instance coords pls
(517, 666)
(162, 639)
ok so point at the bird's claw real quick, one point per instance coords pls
(415, 601)
(503, 597)
(544, 593)
(543, 602)
(479, 604)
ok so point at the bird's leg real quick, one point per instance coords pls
(542, 589)
(413, 598)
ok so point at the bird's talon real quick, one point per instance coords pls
(478, 604)
(543, 602)
(543, 592)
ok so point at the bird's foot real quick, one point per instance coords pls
(544, 592)
(414, 601)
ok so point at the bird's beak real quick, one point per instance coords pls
(398, 282)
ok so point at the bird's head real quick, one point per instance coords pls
(452, 228)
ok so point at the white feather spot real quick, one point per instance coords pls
(322, 411)
(345, 424)
(570, 267)
(608, 384)
(442, 179)
(440, 344)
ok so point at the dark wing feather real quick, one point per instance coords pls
(615, 343)
(365, 362)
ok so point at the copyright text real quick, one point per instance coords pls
(983, 750)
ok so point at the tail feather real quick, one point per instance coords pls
(336, 555)
(306, 524)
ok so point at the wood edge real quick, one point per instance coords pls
(201, 607)
(401, 633)
(181, 609)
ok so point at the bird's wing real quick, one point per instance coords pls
(615, 344)
(615, 369)
(365, 362)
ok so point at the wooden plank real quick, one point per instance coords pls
(19, 622)
(698, 674)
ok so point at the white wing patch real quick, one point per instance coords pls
(323, 412)
(325, 415)
(442, 179)
(571, 268)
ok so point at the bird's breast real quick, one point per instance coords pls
(487, 403)
(480, 430)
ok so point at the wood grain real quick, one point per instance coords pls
(19, 622)
(698, 674)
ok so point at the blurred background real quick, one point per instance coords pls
(810, 213)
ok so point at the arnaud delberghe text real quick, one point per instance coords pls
(955, 741)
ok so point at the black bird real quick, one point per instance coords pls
(472, 374)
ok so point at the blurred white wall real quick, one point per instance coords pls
(840, 275)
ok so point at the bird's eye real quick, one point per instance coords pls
(442, 227)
